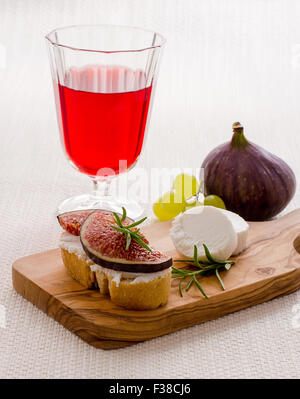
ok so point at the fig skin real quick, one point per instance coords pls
(252, 182)
(128, 267)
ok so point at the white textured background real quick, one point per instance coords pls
(224, 61)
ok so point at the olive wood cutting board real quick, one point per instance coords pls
(269, 267)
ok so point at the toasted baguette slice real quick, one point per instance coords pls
(139, 291)
(139, 295)
(79, 269)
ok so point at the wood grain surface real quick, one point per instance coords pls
(269, 267)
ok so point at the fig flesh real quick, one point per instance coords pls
(72, 221)
(106, 247)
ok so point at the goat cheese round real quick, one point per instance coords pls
(204, 225)
(241, 228)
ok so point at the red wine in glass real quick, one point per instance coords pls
(104, 79)
(102, 128)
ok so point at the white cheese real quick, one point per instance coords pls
(135, 278)
(72, 244)
(241, 227)
(204, 225)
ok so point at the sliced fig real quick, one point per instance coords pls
(106, 247)
(72, 221)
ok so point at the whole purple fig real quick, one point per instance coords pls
(251, 181)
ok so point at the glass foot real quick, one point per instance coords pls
(94, 201)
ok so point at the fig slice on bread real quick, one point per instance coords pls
(72, 221)
(106, 246)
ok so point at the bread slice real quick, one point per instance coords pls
(133, 292)
(137, 291)
(79, 269)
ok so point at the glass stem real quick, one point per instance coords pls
(101, 188)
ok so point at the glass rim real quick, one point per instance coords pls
(162, 38)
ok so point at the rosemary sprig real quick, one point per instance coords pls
(202, 269)
(126, 230)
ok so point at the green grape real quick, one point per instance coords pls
(185, 185)
(159, 211)
(168, 206)
(173, 203)
(214, 200)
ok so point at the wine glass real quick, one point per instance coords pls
(104, 77)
